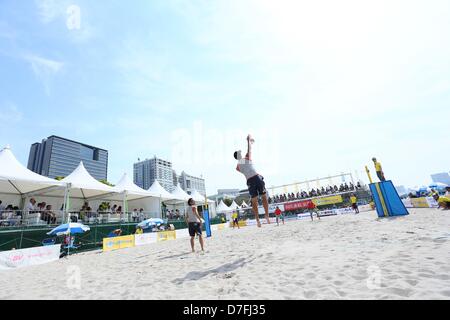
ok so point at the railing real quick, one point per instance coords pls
(19, 218)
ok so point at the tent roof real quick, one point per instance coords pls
(158, 191)
(222, 207)
(199, 198)
(180, 194)
(83, 185)
(244, 205)
(17, 179)
(133, 191)
(234, 205)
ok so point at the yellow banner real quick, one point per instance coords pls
(242, 223)
(110, 244)
(419, 202)
(221, 226)
(328, 200)
(166, 235)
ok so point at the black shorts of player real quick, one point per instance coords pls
(354, 206)
(256, 186)
(236, 221)
(194, 228)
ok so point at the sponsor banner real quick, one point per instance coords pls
(304, 216)
(432, 203)
(325, 213)
(29, 257)
(328, 200)
(116, 243)
(166, 235)
(298, 205)
(344, 210)
(408, 203)
(242, 223)
(419, 202)
(145, 238)
(262, 220)
(222, 226)
(272, 207)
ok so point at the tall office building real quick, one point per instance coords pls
(58, 157)
(190, 183)
(442, 177)
(147, 171)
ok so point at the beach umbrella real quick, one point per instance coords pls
(438, 185)
(150, 223)
(69, 228)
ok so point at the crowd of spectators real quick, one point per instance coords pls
(329, 190)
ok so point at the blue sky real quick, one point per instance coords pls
(323, 85)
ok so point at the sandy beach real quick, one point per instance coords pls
(339, 257)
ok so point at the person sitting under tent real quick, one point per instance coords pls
(115, 233)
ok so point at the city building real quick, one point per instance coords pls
(147, 171)
(58, 157)
(190, 183)
(442, 177)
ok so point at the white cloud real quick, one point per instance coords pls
(44, 69)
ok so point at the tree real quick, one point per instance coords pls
(59, 178)
(227, 201)
(106, 182)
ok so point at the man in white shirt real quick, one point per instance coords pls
(31, 207)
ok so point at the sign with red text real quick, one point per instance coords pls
(29, 257)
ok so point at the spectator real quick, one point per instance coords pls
(141, 215)
(2, 207)
(48, 215)
(31, 206)
(114, 209)
(139, 229)
(135, 215)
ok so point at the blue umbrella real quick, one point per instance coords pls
(150, 223)
(64, 229)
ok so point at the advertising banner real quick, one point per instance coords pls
(143, 239)
(166, 235)
(29, 257)
(116, 243)
(298, 205)
(420, 202)
(432, 203)
(328, 200)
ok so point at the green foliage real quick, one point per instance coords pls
(106, 182)
(59, 178)
(228, 202)
(104, 206)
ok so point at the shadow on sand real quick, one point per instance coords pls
(197, 275)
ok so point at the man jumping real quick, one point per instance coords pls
(255, 182)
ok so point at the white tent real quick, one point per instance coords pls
(222, 207)
(15, 179)
(132, 191)
(244, 205)
(158, 191)
(179, 195)
(84, 186)
(234, 206)
(199, 198)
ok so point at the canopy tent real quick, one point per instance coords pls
(244, 205)
(158, 191)
(16, 179)
(199, 198)
(179, 196)
(84, 186)
(222, 207)
(438, 185)
(126, 186)
(234, 206)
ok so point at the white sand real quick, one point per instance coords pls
(335, 258)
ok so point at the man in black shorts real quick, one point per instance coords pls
(255, 182)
